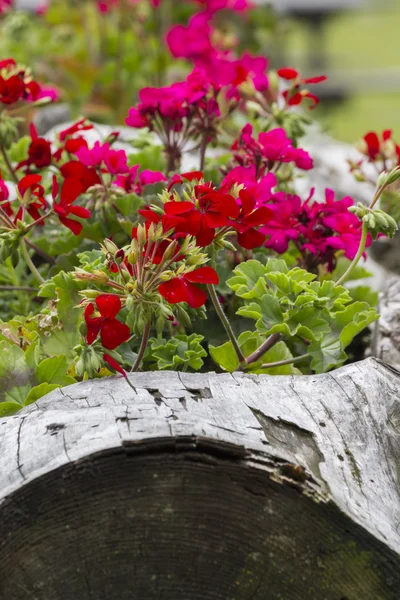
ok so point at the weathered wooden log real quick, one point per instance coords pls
(386, 345)
(205, 487)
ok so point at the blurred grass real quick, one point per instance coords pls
(358, 42)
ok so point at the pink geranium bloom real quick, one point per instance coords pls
(135, 182)
(192, 41)
(93, 157)
(261, 189)
(116, 162)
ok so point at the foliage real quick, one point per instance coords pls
(111, 259)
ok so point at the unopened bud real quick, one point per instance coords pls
(141, 235)
(108, 246)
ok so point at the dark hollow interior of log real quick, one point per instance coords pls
(183, 526)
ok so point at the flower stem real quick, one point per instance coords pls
(288, 361)
(41, 252)
(8, 163)
(357, 257)
(225, 323)
(143, 346)
(265, 346)
(29, 262)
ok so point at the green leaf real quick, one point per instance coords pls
(365, 294)
(225, 356)
(178, 353)
(51, 368)
(9, 408)
(129, 204)
(19, 150)
(39, 391)
(353, 319)
(326, 354)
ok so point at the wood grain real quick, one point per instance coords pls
(205, 486)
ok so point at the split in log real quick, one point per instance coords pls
(205, 487)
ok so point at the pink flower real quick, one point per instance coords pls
(95, 156)
(261, 189)
(271, 147)
(116, 162)
(132, 182)
(193, 41)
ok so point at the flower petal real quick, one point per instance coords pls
(109, 305)
(203, 275)
(113, 364)
(114, 333)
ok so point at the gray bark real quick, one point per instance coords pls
(205, 487)
(386, 344)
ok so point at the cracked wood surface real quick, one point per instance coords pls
(386, 345)
(234, 456)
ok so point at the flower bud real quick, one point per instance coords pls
(108, 246)
(90, 294)
(14, 258)
(141, 235)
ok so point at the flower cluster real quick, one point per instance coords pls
(295, 93)
(16, 83)
(268, 151)
(317, 229)
(177, 113)
(211, 215)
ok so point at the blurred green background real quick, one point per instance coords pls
(363, 53)
(101, 61)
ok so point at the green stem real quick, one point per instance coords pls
(288, 361)
(357, 257)
(29, 262)
(41, 252)
(143, 346)
(8, 163)
(265, 346)
(225, 323)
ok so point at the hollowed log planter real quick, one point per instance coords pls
(205, 487)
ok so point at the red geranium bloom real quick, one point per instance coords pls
(11, 89)
(112, 332)
(71, 189)
(182, 289)
(39, 151)
(374, 144)
(86, 175)
(30, 189)
(81, 125)
(214, 210)
(249, 218)
(295, 95)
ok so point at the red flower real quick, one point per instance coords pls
(113, 364)
(374, 144)
(250, 217)
(182, 289)
(11, 89)
(71, 189)
(112, 332)
(86, 175)
(30, 189)
(81, 125)
(214, 210)
(295, 95)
